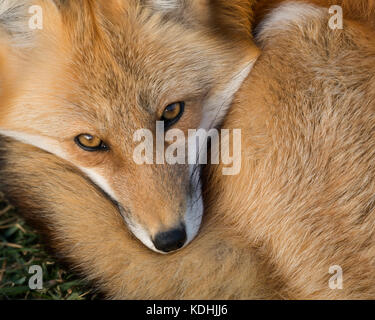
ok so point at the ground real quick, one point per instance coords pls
(20, 247)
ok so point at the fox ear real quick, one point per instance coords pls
(231, 18)
(14, 18)
(22, 20)
(185, 11)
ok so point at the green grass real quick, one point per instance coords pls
(20, 248)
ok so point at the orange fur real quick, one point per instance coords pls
(86, 230)
(302, 203)
(358, 10)
(305, 195)
(113, 68)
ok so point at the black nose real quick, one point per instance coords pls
(170, 240)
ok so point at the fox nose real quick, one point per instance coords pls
(170, 240)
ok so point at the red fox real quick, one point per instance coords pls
(303, 202)
(99, 67)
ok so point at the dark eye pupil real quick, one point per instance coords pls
(171, 111)
(172, 107)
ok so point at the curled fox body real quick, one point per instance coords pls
(303, 201)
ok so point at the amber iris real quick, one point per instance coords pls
(172, 113)
(90, 143)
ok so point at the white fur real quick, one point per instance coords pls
(287, 15)
(194, 209)
(214, 111)
(41, 142)
(139, 232)
(100, 181)
(217, 106)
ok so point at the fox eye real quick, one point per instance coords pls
(172, 113)
(90, 143)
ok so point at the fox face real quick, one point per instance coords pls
(96, 72)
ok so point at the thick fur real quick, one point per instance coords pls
(304, 200)
(105, 67)
(85, 229)
(306, 192)
(357, 10)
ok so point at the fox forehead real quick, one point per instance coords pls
(147, 63)
(117, 65)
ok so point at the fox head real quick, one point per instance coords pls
(79, 78)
